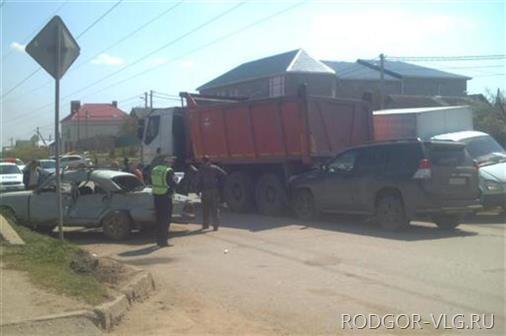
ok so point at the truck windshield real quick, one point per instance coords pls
(152, 129)
(483, 148)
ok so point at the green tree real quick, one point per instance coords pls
(491, 118)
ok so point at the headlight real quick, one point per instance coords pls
(493, 186)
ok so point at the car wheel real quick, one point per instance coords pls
(117, 225)
(303, 204)
(390, 213)
(447, 222)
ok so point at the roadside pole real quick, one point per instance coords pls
(55, 49)
(57, 131)
(382, 81)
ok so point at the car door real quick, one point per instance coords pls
(368, 177)
(92, 201)
(43, 203)
(338, 183)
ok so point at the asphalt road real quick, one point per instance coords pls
(271, 276)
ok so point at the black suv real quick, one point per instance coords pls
(394, 181)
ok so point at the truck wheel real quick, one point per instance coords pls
(116, 225)
(447, 222)
(239, 192)
(270, 195)
(390, 213)
(303, 204)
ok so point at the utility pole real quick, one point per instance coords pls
(78, 131)
(382, 81)
(145, 100)
(151, 99)
(38, 136)
(86, 127)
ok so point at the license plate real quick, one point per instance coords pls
(458, 180)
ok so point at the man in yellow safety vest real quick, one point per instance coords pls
(163, 186)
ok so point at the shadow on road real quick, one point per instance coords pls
(254, 223)
(344, 224)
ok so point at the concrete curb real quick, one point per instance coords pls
(86, 314)
(8, 233)
(109, 314)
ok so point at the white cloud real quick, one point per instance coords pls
(106, 59)
(18, 47)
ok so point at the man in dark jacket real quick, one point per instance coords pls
(163, 187)
(210, 179)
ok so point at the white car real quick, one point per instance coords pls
(49, 166)
(116, 201)
(11, 177)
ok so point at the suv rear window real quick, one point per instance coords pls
(446, 155)
(404, 158)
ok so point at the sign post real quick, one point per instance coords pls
(55, 49)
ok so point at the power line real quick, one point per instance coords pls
(26, 39)
(492, 75)
(127, 36)
(220, 39)
(446, 58)
(144, 57)
(80, 35)
(21, 82)
(98, 19)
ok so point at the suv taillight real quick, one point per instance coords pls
(423, 171)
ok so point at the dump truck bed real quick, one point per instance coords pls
(277, 129)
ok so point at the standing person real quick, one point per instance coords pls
(210, 178)
(163, 186)
(32, 175)
(126, 165)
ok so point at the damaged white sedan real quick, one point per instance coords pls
(116, 201)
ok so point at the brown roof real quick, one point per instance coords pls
(97, 112)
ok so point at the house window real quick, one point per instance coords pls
(276, 86)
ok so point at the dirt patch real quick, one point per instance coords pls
(107, 271)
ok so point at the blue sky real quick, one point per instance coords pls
(332, 30)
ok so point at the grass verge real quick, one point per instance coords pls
(47, 260)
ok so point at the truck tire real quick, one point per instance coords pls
(447, 222)
(117, 225)
(270, 195)
(239, 192)
(303, 204)
(390, 213)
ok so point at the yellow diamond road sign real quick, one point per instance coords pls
(45, 45)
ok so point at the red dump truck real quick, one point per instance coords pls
(260, 143)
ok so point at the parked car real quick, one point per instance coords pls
(48, 165)
(11, 177)
(491, 158)
(73, 161)
(18, 162)
(394, 181)
(116, 201)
